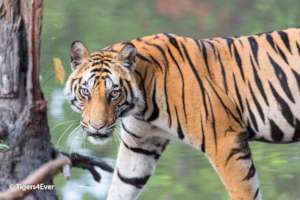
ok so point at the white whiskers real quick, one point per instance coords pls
(63, 134)
(75, 139)
(62, 123)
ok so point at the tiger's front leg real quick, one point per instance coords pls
(136, 161)
(231, 157)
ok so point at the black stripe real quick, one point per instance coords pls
(174, 42)
(203, 137)
(228, 130)
(240, 114)
(73, 82)
(213, 47)
(276, 133)
(281, 76)
(199, 81)
(121, 82)
(297, 131)
(229, 42)
(240, 41)
(142, 113)
(155, 111)
(250, 173)
(238, 61)
(165, 89)
(156, 62)
(285, 38)
(259, 83)
(284, 107)
(140, 56)
(129, 132)
(179, 129)
(97, 55)
(130, 89)
(238, 94)
(203, 51)
(204, 54)
(271, 41)
(161, 50)
(213, 121)
(257, 105)
(233, 152)
(223, 74)
(97, 63)
(298, 47)
(164, 146)
(182, 81)
(282, 55)
(100, 70)
(251, 133)
(138, 182)
(141, 81)
(129, 106)
(297, 76)
(256, 193)
(246, 154)
(142, 151)
(243, 148)
(104, 77)
(252, 116)
(227, 110)
(254, 47)
(91, 77)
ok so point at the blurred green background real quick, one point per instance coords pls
(182, 173)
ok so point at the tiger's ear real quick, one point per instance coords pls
(127, 55)
(78, 54)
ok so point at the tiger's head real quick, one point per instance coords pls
(102, 87)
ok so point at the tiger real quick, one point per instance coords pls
(215, 94)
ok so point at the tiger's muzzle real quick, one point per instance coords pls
(99, 132)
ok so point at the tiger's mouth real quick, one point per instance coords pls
(99, 138)
(100, 135)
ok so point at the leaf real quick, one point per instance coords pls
(59, 70)
(3, 146)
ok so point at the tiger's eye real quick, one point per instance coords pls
(85, 92)
(115, 93)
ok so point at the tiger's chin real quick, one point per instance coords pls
(98, 139)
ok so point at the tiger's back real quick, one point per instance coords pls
(261, 74)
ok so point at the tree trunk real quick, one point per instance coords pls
(23, 119)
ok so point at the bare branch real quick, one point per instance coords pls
(88, 163)
(63, 163)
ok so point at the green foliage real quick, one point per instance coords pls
(3, 146)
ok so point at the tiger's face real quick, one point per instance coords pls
(102, 88)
